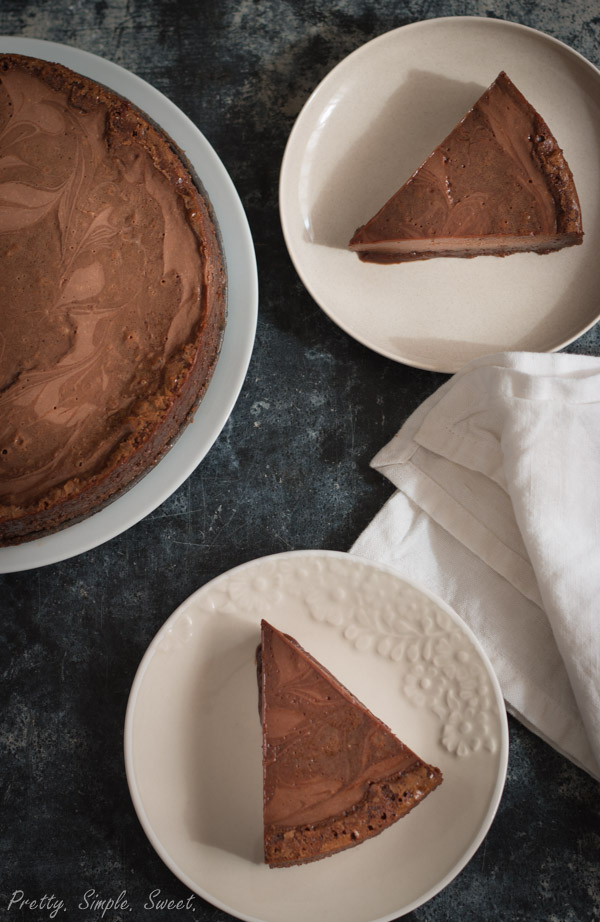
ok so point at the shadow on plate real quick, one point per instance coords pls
(413, 121)
(224, 742)
(438, 354)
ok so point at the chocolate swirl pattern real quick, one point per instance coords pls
(103, 281)
(344, 748)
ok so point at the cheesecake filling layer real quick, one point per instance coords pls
(458, 246)
(101, 285)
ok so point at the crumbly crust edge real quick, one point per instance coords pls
(384, 804)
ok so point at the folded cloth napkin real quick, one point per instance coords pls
(498, 511)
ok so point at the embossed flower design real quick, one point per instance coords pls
(376, 596)
(257, 590)
(463, 668)
(467, 731)
(425, 686)
(298, 573)
(328, 602)
(440, 669)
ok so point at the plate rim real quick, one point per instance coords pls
(190, 449)
(366, 47)
(154, 646)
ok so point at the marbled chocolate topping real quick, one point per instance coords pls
(103, 277)
(321, 748)
(498, 183)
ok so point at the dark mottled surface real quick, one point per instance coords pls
(290, 470)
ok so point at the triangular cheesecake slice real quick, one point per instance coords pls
(333, 774)
(498, 184)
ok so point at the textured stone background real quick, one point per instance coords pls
(290, 470)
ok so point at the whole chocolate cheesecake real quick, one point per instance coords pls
(112, 296)
(498, 184)
(334, 775)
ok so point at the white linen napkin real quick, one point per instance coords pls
(498, 511)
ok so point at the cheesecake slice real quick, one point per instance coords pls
(498, 184)
(333, 773)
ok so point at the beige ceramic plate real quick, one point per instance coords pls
(361, 134)
(193, 738)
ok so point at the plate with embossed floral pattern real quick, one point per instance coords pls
(193, 737)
